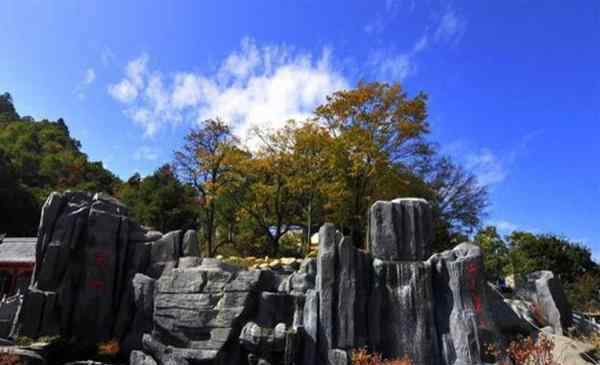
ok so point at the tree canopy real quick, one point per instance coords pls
(361, 145)
(161, 201)
(37, 157)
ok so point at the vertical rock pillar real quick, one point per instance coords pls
(465, 325)
(325, 285)
(401, 314)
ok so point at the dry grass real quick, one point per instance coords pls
(363, 357)
(109, 347)
(527, 351)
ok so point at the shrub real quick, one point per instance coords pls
(363, 357)
(10, 359)
(109, 347)
(24, 341)
(583, 294)
(530, 351)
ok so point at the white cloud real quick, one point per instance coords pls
(451, 27)
(386, 17)
(123, 91)
(394, 66)
(90, 76)
(504, 227)
(255, 86)
(127, 90)
(483, 162)
(146, 153)
(488, 168)
(391, 66)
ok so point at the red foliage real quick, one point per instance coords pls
(363, 357)
(527, 351)
(10, 359)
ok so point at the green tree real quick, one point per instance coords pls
(201, 163)
(458, 200)
(8, 112)
(18, 206)
(160, 200)
(39, 157)
(531, 252)
(495, 251)
(259, 185)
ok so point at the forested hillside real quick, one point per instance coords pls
(37, 157)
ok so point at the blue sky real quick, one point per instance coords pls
(514, 86)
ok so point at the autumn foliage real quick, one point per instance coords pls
(363, 357)
(10, 359)
(109, 347)
(527, 351)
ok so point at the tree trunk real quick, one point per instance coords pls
(308, 227)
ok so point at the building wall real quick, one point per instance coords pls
(14, 276)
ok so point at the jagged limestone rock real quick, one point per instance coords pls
(326, 282)
(154, 292)
(401, 229)
(339, 357)
(509, 320)
(346, 294)
(190, 245)
(84, 263)
(197, 312)
(544, 290)
(310, 320)
(144, 289)
(263, 340)
(405, 311)
(274, 308)
(140, 358)
(165, 253)
(464, 322)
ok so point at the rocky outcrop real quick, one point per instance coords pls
(87, 256)
(198, 310)
(462, 312)
(9, 310)
(101, 276)
(401, 229)
(550, 305)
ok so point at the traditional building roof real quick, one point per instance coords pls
(17, 249)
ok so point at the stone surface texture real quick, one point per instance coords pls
(86, 282)
(101, 276)
(544, 290)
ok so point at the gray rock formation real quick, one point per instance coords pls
(9, 310)
(140, 358)
(87, 256)
(310, 320)
(401, 229)
(406, 318)
(198, 311)
(100, 276)
(463, 319)
(326, 281)
(545, 291)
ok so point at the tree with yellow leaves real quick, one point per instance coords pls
(378, 131)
